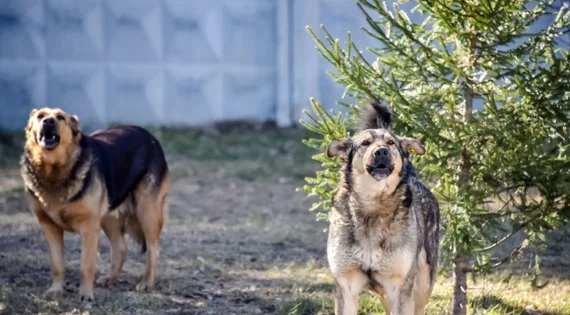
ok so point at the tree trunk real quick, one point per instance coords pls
(460, 286)
(461, 262)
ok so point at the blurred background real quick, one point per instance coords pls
(169, 62)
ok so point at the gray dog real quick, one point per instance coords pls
(384, 228)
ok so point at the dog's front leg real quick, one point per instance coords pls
(348, 287)
(89, 248)
(54, 237)
(399, 295)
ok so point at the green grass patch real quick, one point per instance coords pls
(235, 145)
(490, 295)
(247, 154)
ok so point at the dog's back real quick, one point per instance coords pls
(132, 165)
(427, 204)
(124, 155)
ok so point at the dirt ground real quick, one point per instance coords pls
(239, 238)
(233, 215)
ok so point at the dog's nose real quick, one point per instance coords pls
(381, 152)
(49, 121)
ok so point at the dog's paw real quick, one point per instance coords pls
(107, 281)
(86, 295)
(55, 291)
(144, 286)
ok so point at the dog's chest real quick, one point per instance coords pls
(57, 215)
(51, 198)
(71, 217)
(397, 261)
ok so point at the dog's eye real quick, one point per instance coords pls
(365, 143)
(390, 142)
(40, 116)
(60, 117)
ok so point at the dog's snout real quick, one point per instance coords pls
(49, 122)
(381, 152)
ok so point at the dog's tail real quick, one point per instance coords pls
(133, 228)
(375, 114)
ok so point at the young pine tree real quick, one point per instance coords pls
(488, 98)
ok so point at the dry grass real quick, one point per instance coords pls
(239, 240)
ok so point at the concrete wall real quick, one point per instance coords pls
(182, 62)
(173, 62)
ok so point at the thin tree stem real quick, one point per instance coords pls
(460, 285)
(461, 262)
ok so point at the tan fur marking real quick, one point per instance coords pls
(113, 226)
(151, 210)
(89, 249)
(54, 238)
(373, 191)
(365, 185)
(422, 285)
(74, 216)
(61, 156)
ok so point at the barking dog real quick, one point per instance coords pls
(115, 179)
(383, 234)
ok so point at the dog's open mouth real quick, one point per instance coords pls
(49, 138)
(380, 171)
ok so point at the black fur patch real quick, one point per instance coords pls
(124, 155)
(376, 115)
(407, 202)
(84, 187)
(81, 160)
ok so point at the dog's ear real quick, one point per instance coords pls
(74, 125)
(340, 148)
(29, 125)
(412, 145)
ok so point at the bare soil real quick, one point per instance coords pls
(239, 238)
(230, 212)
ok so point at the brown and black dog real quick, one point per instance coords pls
(115, 179)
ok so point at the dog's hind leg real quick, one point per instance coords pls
(151, 208)
(114, 227)
(348, 287)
